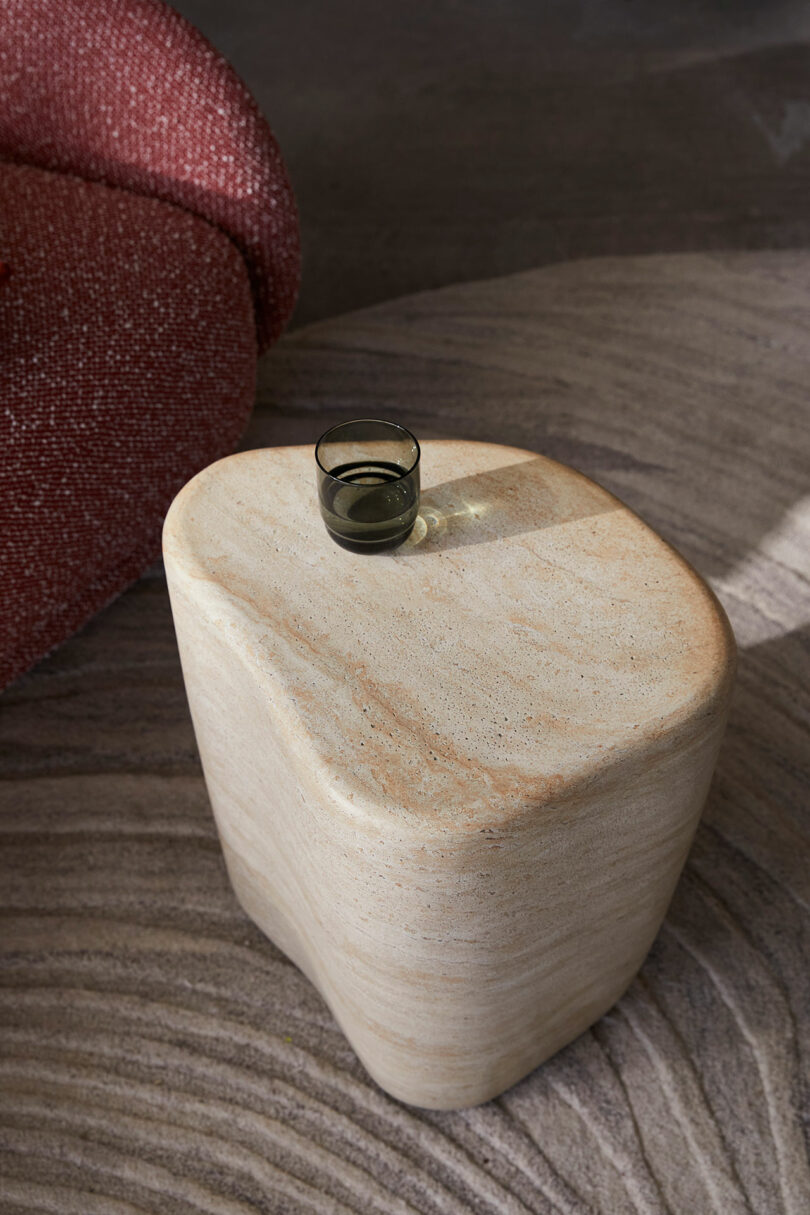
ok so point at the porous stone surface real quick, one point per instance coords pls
(456, 782)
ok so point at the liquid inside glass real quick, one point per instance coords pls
(374, 518)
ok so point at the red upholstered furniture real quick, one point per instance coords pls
(150, 243)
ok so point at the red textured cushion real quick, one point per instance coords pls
(127, 363)
(127, 92)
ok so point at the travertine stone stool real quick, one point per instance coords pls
(456, 783)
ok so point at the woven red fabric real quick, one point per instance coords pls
(127, 363)
(127, 92)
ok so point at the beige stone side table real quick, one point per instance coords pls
(456, 782)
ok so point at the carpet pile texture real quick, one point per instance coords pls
(160, 1055)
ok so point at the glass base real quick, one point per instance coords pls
(370, 546)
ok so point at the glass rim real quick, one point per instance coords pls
(381, 421)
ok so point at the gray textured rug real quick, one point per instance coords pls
(437, 142)
(159, 1055)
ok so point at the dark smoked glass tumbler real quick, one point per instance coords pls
(368, 483)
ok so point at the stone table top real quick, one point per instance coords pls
(529, 633)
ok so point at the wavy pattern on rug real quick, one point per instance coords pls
(159, 1055)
